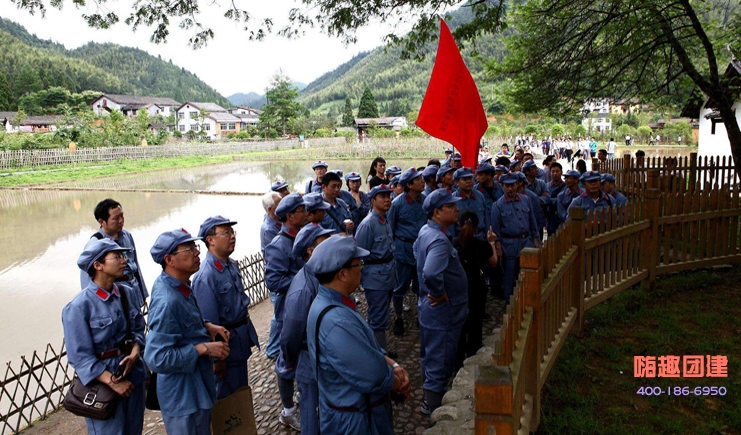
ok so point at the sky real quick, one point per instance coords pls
(230, 63)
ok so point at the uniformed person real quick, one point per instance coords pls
(445, 178)
(608, 187)
(513, 221)
(448, 155)
(110, 216)
(281, 187)
(96, 335)
(379, 274)
(487, 186)
(393, 171)
(592, 198)
(280, 269)
(222, 300)
(270, 224)
(470, 200)
(346, 196)
(353, 374)
(406, 217)
(533, 183)
(535, 201)
(180, 343)
(555, 187)
(280, 266)
(456, 161)
(515, 166)
(396, 188)
(316, 208)
(319, 168)
(294, 355)
(563, 201)
(356, 197)
(443, 296)
(429, 175)
(338, 216)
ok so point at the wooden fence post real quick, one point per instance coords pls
(629, 179)
(651, 239)
(692, 176)
(576, 214)
(532, 281)
(595, 164)
(493, 400)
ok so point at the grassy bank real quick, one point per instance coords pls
(592, 390)
(55, 174)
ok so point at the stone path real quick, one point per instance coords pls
(408, 418)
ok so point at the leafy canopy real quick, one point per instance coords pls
(282, 105)
(338, 18)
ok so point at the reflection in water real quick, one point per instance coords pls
(43, 233)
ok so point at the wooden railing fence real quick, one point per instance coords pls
(665, 228)
(35, 388)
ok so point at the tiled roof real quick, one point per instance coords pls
(133, 100)
(208, 107)
(223, 117)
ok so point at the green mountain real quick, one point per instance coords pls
(30, 64)
(399, 85)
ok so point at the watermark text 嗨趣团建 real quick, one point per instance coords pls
(692, 366)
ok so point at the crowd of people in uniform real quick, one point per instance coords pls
(447, 233)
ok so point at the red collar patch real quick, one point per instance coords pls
(102, 294)
(278, 224)
(508, 199)
(349, 302)
(219, 266)
(184, 290)
(291, 232)
(409, 199)
(381, 219)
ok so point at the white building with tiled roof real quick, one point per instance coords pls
(217, 121)
(130, 104)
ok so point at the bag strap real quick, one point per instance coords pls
(341, 225)
(125, 306)
(316, 343)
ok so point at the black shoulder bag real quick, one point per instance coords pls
(96, 400)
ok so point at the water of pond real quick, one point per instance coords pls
(43, 233)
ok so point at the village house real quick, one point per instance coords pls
(217, 121)
(130, 104)
(597, 122)
(395, 123)
(29, 124)
(5, 118)
(712, 137)
(248, 116)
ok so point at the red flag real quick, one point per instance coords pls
(452, 109)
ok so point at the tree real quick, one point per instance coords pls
(347, 118)
(368, 107)
(27, 81)
(6, 97)
(341, 18)
(281, 106)
(564, 52)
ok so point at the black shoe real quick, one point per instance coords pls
(425, 408)
(398, 326)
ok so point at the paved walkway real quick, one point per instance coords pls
(407, 417)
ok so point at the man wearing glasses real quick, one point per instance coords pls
(180, 343)
(110, 216)
(220, 293)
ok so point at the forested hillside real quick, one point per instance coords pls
(399, 85)
(29, 64)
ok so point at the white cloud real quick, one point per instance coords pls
(230, 63)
